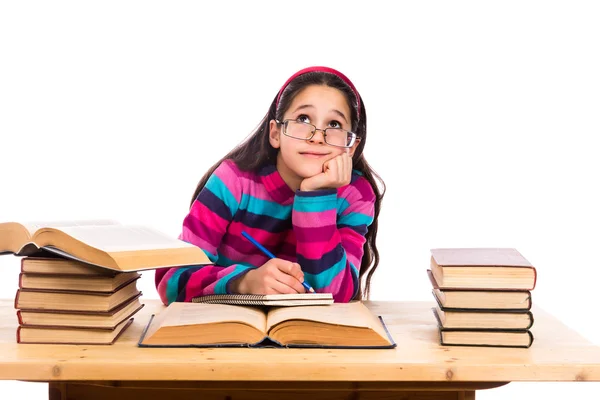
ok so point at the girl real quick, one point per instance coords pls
(301, 187)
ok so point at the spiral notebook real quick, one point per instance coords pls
(276, 300)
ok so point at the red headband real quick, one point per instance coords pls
(322, 69)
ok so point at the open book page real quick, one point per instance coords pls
(354, 314)
(115, 238)
(33, 226)
(16, 237)
(183, 313)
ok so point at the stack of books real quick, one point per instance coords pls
(483, 296)
(69, 302)
(78, 281)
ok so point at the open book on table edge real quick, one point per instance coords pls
(266, 341)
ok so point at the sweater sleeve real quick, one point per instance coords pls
(330, 229)
(204, 226)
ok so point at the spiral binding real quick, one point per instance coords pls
(245, 299)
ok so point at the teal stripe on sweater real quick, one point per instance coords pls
(212, 257)
(342, 205)
(224, 261)
(354, 270)
(266, 207)
(220, 189)
(355, 219)
(173, 285)
(315, 204)
(221, 286)
(325, 278)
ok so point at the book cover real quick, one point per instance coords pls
(483, 337)
(77, 283)
(478, 319)
(80, 319)
(484, 256)
(63, 335)
(485, 299)
(482, 268)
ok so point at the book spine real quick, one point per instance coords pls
(534, 278)
(19, 317)
(17, 299)
(489, 345)
(18, 334)
(530, 338)
(530, 319)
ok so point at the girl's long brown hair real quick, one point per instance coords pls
(256, 152)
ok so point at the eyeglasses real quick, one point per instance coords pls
(305, 131)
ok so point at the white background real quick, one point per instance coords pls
(482, 118)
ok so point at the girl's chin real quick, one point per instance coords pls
(309, 171)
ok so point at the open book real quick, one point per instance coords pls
(343, 325)
(106, 244)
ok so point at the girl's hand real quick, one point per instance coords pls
(337, 172)
(274, 277)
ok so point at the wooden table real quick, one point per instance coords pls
(419, 368)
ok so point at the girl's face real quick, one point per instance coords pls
(323, 107)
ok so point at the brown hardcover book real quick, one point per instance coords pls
(482, 268)
(97, 283)
(92, 320)
(53, 264)
(62, 335)
(508, 300)
(106, 244)
(33, 300)
(483, 337)
(345, 325)
(484, 319)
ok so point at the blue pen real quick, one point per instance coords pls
(269, 254)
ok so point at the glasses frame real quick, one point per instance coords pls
(355, 137)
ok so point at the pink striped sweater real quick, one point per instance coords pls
(324, 231)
